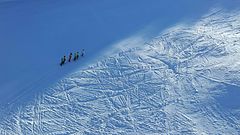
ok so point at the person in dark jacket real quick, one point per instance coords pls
(76, 55)
(83, 52)
(70, 57)
(63, 60)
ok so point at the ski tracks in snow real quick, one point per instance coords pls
(166, 87)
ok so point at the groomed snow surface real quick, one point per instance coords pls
(186, 81)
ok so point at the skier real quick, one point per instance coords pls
(63, 60)
(82, 53)
(76, 55)
(70, 57)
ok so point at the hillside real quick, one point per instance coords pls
(186, 81)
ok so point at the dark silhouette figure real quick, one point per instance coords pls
(76, 55)
(83, 52)
(70, 57)
(63, 60)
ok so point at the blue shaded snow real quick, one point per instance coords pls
(36, 34)
(230, 99)
(163, 87)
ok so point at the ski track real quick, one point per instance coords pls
(166, 87)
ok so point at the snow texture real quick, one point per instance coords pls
(176, 84)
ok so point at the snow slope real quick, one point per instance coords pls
(179, 83)
(35, 34)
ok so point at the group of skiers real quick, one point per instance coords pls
(76, 56)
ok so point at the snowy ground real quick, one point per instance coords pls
(35, 34)
(186, 81)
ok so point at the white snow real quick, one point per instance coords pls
(174, 84)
